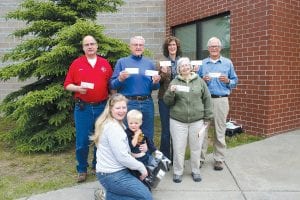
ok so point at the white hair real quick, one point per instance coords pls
(214, 39)
(182, 61)
(134, 38)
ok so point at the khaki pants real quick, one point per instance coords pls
(183, 133)
(220, 110)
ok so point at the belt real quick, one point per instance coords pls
(218, 96)
(107, 174)
(103, 174)
(138, 98)
(89, 103)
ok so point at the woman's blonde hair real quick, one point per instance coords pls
(106, 115)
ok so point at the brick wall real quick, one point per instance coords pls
(265, 49)
(135, 17)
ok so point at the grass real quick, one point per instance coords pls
(22, 175)
(26, 174)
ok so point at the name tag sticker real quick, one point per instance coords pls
(196, 62)
(182, 88)
(151, 72)
(132, 70)
(165, 63)
(214, 74)
(87, 85)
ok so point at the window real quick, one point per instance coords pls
(194, 36)
(187, 35)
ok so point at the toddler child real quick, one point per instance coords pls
(136, 138)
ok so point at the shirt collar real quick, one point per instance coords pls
(137, 57)
(219, 60)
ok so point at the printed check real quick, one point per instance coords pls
(214, 74)
(87, 85)
(182, 88)
(196, 62)
(133, 70)
(165, 63)
(151, 72)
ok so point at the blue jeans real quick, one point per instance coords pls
(122, 185)
(165, 138)
(85, 118)
(148, 160)
(147, 109)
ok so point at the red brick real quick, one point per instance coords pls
(265, 38)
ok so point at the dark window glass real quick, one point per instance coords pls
(194, 36)
(187, 35)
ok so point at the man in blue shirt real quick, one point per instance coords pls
(219, 74)
(135, 77)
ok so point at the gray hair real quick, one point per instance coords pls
(132, 39)
(214, 39)
(182, 61)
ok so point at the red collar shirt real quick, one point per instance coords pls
(97, 77)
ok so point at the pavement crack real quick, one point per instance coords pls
(235, 180)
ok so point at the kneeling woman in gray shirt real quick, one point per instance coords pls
(113, 154)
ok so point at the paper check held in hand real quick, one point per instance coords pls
(151, 72)
(214, 74)
(166, 63)
(182, 88)
(132, 70)
(87, 85)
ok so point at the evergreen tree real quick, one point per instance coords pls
(43, 110)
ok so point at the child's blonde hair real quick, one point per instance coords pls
(135, 115)
(106, 115)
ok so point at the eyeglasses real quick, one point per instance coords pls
(89, 44)
(213, 47)
(137, 45)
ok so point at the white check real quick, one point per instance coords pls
(214, 74)
(196, 62)
(132, 70)
(151, 72)
(182, 88)
(165, 63)
(87, 85)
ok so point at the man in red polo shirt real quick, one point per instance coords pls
(88, 78)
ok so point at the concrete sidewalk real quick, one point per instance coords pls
(264, 170)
